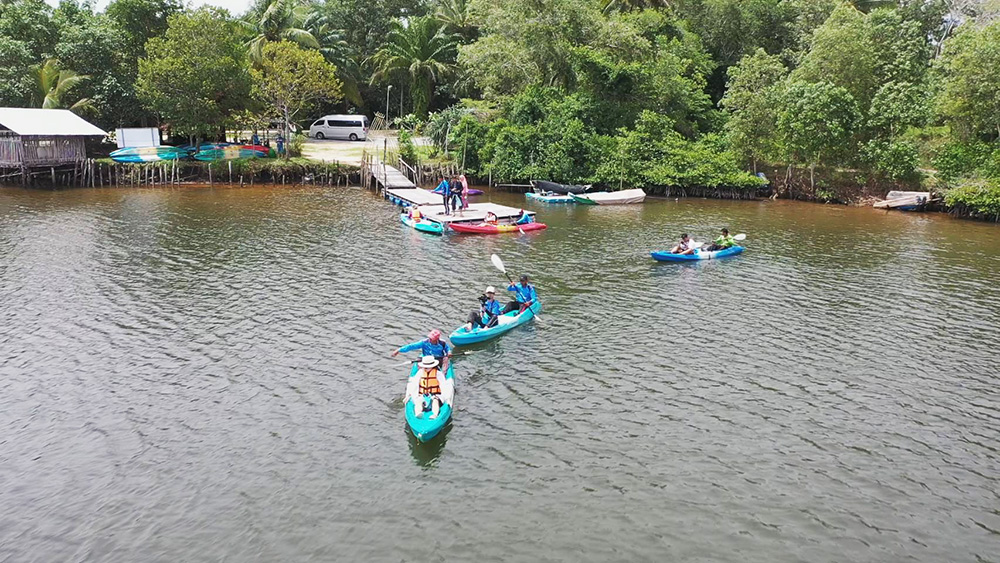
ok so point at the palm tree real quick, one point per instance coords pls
(424, 52)
(455, 15)
(630, 5)
(275, 20)
(52, 87)
(337, 51)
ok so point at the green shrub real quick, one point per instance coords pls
(979, 198)
(406, 148)
(964, 159)
(294, 145)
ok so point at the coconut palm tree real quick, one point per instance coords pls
(337, 51)
(53, 85)
(423, 52)
(275, 20)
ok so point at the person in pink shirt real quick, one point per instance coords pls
(465, 191)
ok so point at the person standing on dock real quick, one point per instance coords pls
(465, 191)
(445, 188)
(456, 194)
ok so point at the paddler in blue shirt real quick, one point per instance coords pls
(433, 345)
(488, 313)
(524, 295)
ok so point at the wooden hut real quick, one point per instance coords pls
(41, 139)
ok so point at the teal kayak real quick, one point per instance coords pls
(422, 225)
(698, 255)
(462, 337)
(423, 427)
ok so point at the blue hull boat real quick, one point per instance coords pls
(423, 427)
(462, 337)
(698, 255)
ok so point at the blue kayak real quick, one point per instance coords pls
(663, 256)
(549, 198)
(461, 336)
(422, 225)
(424, 428)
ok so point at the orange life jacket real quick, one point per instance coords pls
(415, 214)
(429, 384)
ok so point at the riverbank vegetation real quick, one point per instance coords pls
(688, 94)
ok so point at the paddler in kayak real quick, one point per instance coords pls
(524, 295)
(425, 388)
(725, 241)
(488, 313)
(433, 345)
(685, 246)
(415, 213)
(491, 218)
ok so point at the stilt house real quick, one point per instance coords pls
(42, 138)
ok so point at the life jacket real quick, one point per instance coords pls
(429, 384)
(415, 214)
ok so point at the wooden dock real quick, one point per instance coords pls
(398, 188)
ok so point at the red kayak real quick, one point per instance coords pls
(488, 229)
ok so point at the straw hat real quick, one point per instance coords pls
(428, 362)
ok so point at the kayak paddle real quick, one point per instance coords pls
(740, 237)
(498, 264)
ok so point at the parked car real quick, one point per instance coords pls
(353, 127)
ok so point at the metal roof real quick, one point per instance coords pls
(47, 122)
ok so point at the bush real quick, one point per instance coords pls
(964, 159)
(894, 160)
(406, 148)
(294, 145)
(978, 198)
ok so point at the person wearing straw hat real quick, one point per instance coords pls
(488, 312)
(426, 388)
(433, 346)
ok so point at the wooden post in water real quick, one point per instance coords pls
(209, 173)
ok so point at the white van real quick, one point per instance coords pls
(353, 127)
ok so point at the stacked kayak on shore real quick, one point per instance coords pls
(423, 225)
(213, 153)
(462, 336)
(610, 198)
(663, 256)
(207, 152)
(424, 427)
(149, 154)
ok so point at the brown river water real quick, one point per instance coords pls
(204, 375)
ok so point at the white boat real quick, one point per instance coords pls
(611, 198)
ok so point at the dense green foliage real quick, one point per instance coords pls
(676, 93)
(196, 75)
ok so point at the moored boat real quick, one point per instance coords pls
(556, 188)
(425, 428)
(664, 256)
(549, 197)
(490, 229)
(610, 198)
(422, 225)
(463, 337)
